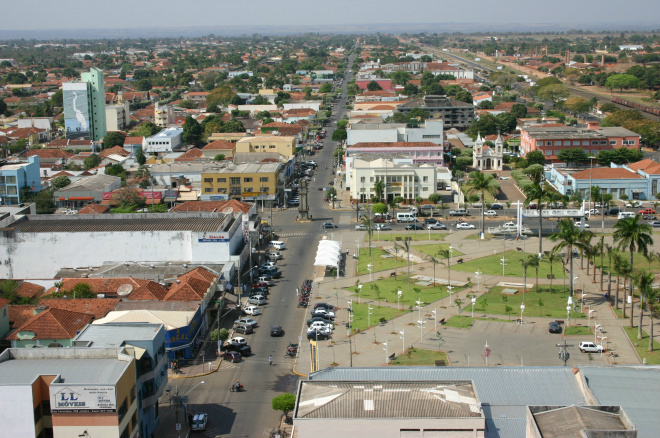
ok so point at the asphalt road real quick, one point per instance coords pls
(249, 413)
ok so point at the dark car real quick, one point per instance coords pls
(317, 334)
(244, 350)
(231, 356)
(276, 330)
(554, 327)
(329, 225)
(430, 221)
(326, 305)
(314, 319)
(614, 211)
(260, 284)
(414, 227)
(259, 290)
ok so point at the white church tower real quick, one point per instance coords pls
(486, 157)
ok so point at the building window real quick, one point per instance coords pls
(11, 179)
(133, 393)
(234, 191)
(222, 190)
(263, 179)
(425, 189)
(271, 147)
(612, 142)
(567, 142)
(371, 179)
(208, 190)
(121, 412)
(12, 190)
(603, 142)
(594, 142)
(576, 143)
(221, 180)
(248, 180)
(548, 143)
(248, 189)
(208, 180)
(235, 180)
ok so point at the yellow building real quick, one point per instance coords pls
(245, 182)
(283, 145)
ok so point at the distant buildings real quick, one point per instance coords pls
(84, 106)
(454, 113)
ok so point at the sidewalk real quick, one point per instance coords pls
(373, 354)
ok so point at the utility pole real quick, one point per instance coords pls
(563, 351)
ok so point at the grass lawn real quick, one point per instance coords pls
(639, 261)
(459, 321)
(554, 303)
(417, 356)
(389, 236)
(433, 248)
(642, 346)
(380, 263)
(360, 319)
(476, 236)
(577, 330)
(492, 265)
(387, 288)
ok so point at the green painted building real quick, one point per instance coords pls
(84, 107)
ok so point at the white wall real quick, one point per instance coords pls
(315, 105)
(355, 136)
(17, 411)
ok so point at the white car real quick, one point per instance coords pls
(199, 421)
(248, 321)
(465, 226)
(594, 211)
(633, 204)
(252, 310)
(324, 313)
(579, 225)
(257, 299)
(490, 213)
(238, 340)
(590, 347)
(318, 325)
(361, 227)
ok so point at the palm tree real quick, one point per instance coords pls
(610, 253)
(481, 183)
(534, 262)
(508, 208)
(619, 267)
(569, 238)
(379, 189)
(636, 236)
(585, 251)
(644, 281)
(537, 191)
(446, 254)
(435, 262)
(406, 247)
(598, 249)
(368, 222)
(651, 298)
(551, 258)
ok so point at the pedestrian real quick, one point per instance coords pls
(297, 291)
(270, 360)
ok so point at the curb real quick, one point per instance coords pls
(198, 375)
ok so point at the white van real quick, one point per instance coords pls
(625, 214)
(277, 244)
(406, 217)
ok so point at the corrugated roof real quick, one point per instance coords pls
(171, 320)
(635, 389)
(117, 335)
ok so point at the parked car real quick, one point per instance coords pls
(464, 226)
(437, 226)
(324, 306)
(329, 225)
(383, 227)
(614, 211)
(633, 204)
(318, 318)
(496, 206)
(655, 224)
(594, 211)
(490, 213)
(430, 221)
(324, 313)
(199, 421)
(590, 347)
(238, 340)
(459, 212)
(320, 325)
(276, 330)
(252, 310)
(257, 299)
(231, 356)
(378, 220)
(246, 320)
(414, 227)
(318, 334)
(245, 350)
(647, 211)
(245, 329)
(361, 227)
(579, 224)
(554, 327)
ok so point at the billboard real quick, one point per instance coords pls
(83, 398)
(214, 237)
(77, 120)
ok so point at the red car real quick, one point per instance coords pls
(647, 211)
(378, 220)
(231, 356)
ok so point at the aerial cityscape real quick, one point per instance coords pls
(305, 224)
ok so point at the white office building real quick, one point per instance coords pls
(167, 140)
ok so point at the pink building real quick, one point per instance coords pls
(423, 152)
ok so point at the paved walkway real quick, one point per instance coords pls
(517, 343)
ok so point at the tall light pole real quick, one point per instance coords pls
(387, 354)
(435, 317)
(474, 300)
(522, 309)
(478, 277)
(569, 305)
(420, 321)
(591, 170)
(359, 290)
(369, 309)
(403, 341)
(449, 286)
(398, 299)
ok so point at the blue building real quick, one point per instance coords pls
(14, 176)
(146, 342)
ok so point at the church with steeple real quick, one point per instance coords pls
(485, 157)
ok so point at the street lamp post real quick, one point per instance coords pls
(478, 277)
(435, 318)
(387, 354)
(449, 286)
(369, 309)
(569, 305)
(398, 299)
(522, 309)
(474, 300)
(359, 290)
(403, 340)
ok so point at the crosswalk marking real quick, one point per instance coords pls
(295, 234)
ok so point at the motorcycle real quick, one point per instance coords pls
(237, 388)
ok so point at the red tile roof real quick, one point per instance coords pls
(187, 289)
(648, 166)
(4, 302)
(215, 206)
(49, 153)
(140, 289)
(220, 144)
(94, 209)
(54, 324)
(606, 173)
(115, 150)
(30, 290)
(19, 314)
(202, 274)
(96, 307)
(191, 155)
(133, 140)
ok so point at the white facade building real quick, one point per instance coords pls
(305, 104)
(117, 117)
(167, 140)
(486, 157)
(406, 180)
(431, 130)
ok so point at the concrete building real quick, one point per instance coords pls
(431, 130)
(283, 145)
(84, 106)
(163, 115)
(423, 152)
(617, 181)
(16, 175)
(552, 140)
(406, 180)
(247, 182)
(68, 392)
(166, 141)
(146, 342)
(488, 158)
(454, 113)
(86, 190)
(388, 409)
(117, 116)
(69, 241)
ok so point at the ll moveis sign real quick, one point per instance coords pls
(83, 398)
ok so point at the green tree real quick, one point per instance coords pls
(635, 236)
(621, 81)
(553, 92)
(535, 157)
(220, 96)
(192, 131)
(139, 157)
(339, 135)
(570, 238)
(573, 156)
(285, 403)
(463, 96)
(56, 99)
(380, 208)
(59, 182)
(147, 129)
(519, 110)
(116, 170)
(644, 281)
(112, 139)
(82, 290)
(482, 183)
(219, 157)
(45, 202)
(92, 161)
(379, 188)
(374, 86)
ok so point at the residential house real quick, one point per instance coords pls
(49, 328)
(283, 145)
(85, 191)
(218, 147)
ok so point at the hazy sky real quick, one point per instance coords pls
(68, 14)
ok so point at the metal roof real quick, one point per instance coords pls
(635, 389)
(504, 392)
(117, 335)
